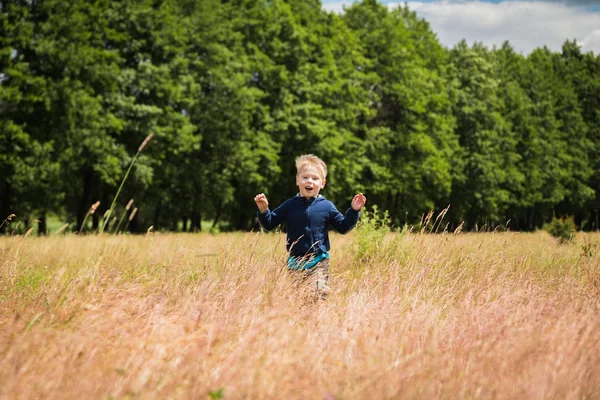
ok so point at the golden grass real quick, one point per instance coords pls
(496, 315)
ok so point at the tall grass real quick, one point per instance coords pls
(106, 218)
(496, 315)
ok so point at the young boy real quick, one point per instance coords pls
(308, 216)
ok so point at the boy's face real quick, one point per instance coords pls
(309, 181)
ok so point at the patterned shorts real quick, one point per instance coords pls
(314, 281)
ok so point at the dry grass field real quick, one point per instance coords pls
(488, 315)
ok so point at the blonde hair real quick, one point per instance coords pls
(312, 160)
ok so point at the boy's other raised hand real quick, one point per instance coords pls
(261, 202)
(358, 202)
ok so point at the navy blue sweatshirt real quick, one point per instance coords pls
(308, 222)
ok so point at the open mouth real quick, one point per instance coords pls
(308, 189)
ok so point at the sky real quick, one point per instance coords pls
(525, 24)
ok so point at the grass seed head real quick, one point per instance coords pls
(132, 214)
(94, 207)
(145, 142)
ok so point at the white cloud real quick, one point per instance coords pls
(525, 24)
(592, 42)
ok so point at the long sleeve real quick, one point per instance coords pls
(271, 219)
(343, 224)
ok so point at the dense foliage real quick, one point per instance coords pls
(234, 90)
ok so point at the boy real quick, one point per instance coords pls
(308, 216)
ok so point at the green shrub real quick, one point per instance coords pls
(370, 232)
(562, 228)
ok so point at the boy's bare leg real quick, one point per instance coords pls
(317, 279)
(312, 283)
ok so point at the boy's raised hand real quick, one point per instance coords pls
(358, 202)
(261, 202)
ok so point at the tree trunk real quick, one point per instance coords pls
(394, 209)
(217, 217)
(134, 225)
(157, 211)
(5, 210)
(99, 216)
(242, 224)
(84, 204)
(42, 228)
(196, 222)
(96, 220)
(196, 218)
(185, 224)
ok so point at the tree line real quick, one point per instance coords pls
(233, 91)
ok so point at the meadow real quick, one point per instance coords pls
(450, 316)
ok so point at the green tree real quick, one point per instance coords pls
(562, 152)
(155, 92)
(582, 71)
(411, 140)
(513, 71)
(574, 134)
(488, 146)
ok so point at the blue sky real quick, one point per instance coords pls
(526, 24)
